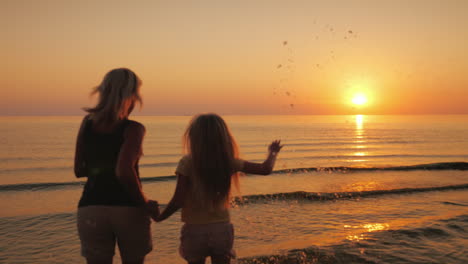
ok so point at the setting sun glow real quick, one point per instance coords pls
(320, 59)
(359, 99)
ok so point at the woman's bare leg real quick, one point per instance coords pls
(140, 261)
(99, 261)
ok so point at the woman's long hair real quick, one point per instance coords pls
(213, 151)
(118, 93)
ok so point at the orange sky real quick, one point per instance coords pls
(407, 57)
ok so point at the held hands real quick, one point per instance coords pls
(153, 209)
(275, 147)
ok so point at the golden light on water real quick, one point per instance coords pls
(359, 138)
(363, 186)
(359, 124)
(355, 237)
(370, 227)
(376, 227)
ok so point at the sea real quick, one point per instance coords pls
(345, 189)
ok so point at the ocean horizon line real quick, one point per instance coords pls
(271, 114)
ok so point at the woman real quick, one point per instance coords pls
(113, 207)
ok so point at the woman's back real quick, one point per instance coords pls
(101, 153)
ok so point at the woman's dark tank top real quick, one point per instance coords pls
(101, 153)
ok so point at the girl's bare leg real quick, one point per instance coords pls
(220, 259)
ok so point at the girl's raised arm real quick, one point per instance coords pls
(266, 167)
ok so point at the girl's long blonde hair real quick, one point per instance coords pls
(213, 152)
(118, 93)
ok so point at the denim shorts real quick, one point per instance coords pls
(198, 241)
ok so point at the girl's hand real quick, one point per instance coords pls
(275, 146)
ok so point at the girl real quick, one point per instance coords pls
(113, 207)
(204, 178)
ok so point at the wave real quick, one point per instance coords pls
(342, 142)
(166, 155)
(408, 245)
(29, 158)
(144, 165)
(299, 195)
(437, 241)
(342, 169)
(354, 142)
(147, 165)
(433, 166)
(45, 186)
(323, 196)
(457, 204)
(428, 166)
(160, 164)
(35, 169)
(456, 165)
(38, 186)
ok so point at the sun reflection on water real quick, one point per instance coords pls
(359, 132)
(363, 186)
(359, 138)
(359, 154)
(370, 227)
(376, 227)
(359, 123)
(355, 237)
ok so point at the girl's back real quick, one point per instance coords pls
(197, 212)
(203, 190)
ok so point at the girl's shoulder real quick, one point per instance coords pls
(184, 165)
(185, 161)
(185, 158)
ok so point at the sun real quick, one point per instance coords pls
(359, 99)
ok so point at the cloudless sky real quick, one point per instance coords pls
(238, 57)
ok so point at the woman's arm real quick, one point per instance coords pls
(177, 200)
(79, 166)
(130, 153)
(266, 167)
